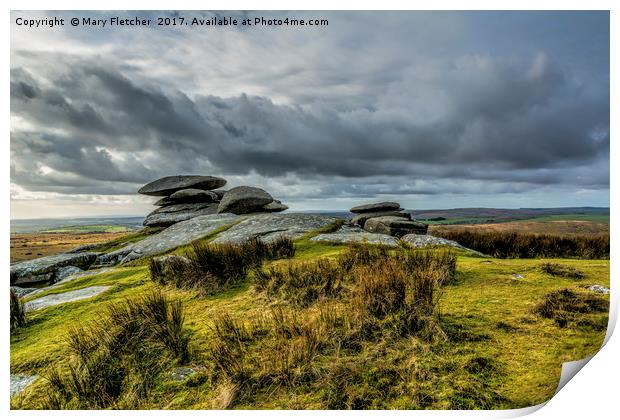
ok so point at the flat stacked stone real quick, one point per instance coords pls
(395, 226)
(187, 196)
(386, 218)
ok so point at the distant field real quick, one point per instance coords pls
(89, 229)
(552, 227)
(600, 218)
(27, 246)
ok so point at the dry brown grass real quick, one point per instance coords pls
(558, 227)
(27, 246)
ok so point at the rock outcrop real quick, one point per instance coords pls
(347, 234)
(268, 227)
(176, 235)
(394, 226)
(188, 196)
(386, 218)
(45, 269)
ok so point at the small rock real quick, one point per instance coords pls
(376, 207)
(242, 200)
(20, 382)
(193, 195)
(182, 373)
(422, 241)
(599, 289)
(171, 184)
(517, 276)
(394, 226)
(166, 265)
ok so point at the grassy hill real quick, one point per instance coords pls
(492, 338)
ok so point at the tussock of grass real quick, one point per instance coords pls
(117, 360)
(18, 313)
(566, 306)
(562, 270)
(527, 245)
(212, 267)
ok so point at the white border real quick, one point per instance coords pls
(592, 393)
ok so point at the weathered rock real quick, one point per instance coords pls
(348, 234)
(57, 299)
(169, 215)
(166, 265)
(22, 291)
(423, 241)
(268, 227)
(178, 234)
(394, 226)
(20, 382)
(220, 193)
(599, 289)
(376, 207)
(83, 248)
(242, 200)
(166, 201)
(66, 271)
(181, 373)
(193, 195)
(170, 184)
(360, 219)
(274, 207)
(45, 268)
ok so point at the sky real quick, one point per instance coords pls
(429, 109)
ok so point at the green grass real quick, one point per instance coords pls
(89, 229)
(499, 352)
(599, 218)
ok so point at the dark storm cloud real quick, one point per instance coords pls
(520, 121)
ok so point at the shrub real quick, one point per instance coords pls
(362, 254)
(116, 360)
(18, 313)
(528, 245)
(566, 305)
(212, 267)
(562, 270)
(301, 283)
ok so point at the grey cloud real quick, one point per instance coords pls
(459, 120)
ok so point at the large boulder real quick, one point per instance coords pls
(242, 200)
(394, 226)
(170, 184)
(45, 269)
(360, 219)
(376, 207)
(175, 213)
(181, 233)
(194, 195)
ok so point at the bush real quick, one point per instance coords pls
(527, 245)
(566, 305)
(301, 283)
(18, 313)
(116, 360)
(212, 267)
(562, 270)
